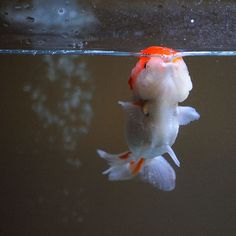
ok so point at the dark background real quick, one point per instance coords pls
(45, 192)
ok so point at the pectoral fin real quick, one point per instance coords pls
(133, 111)
(172, 155)
(186, 115)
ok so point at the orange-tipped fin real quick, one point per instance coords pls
(125, 156)
(136, 167)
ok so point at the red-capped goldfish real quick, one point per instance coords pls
(160, 77)
(153, 118)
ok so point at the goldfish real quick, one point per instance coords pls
(159, 82)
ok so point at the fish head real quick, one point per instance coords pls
(159, 73)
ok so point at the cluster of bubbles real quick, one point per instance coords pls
(62, 99)
(59, 17)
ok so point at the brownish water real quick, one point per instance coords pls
(51, 181)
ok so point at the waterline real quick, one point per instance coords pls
(110, 53)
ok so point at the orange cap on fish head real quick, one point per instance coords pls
(141, 64)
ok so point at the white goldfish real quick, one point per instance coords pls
(153, 118)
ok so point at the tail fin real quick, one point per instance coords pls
(156, 171)
(119, 172)
(159, 173)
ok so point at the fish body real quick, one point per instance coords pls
(153, 118)
(152, 134)
(148, 134)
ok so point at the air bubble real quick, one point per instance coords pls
(5, 25)
(30, 19)
(18, 7)
(28, 42)
(61, 11)
(76, 32)
(65, 35)
(78, 45)
(26, 6)
(41, 42)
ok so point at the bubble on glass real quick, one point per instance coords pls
(74, 162)
(30, 19)
(138, 33)
(65, 35)
(18, 7)
(27, 88)
(77, 44)
(26, 6)
(27, 42)
(61, 11)
(199, 2)
(5, 25)
(41, 42)
(75, 212)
